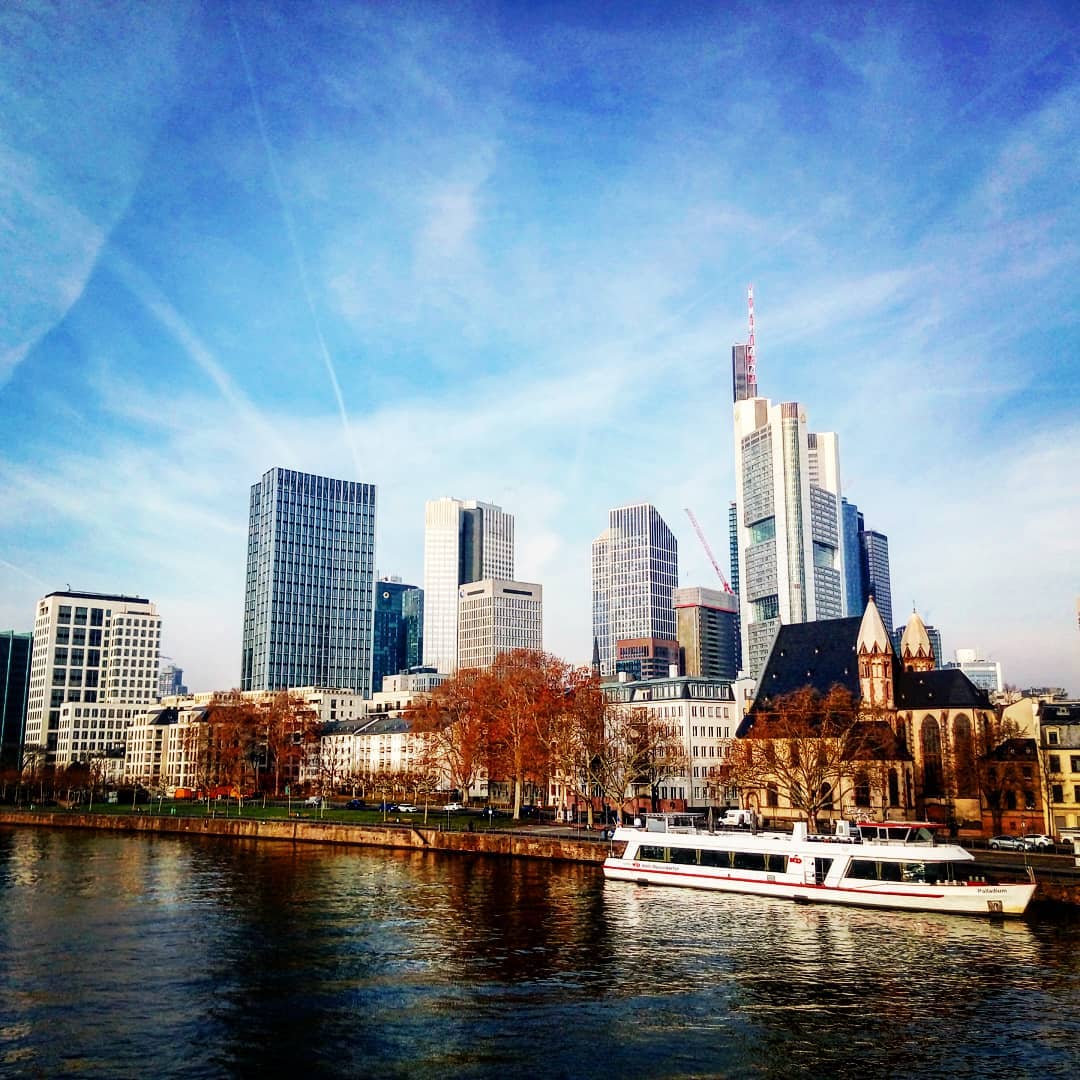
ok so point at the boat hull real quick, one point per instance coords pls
(970, 898)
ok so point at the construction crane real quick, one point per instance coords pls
(708, 550)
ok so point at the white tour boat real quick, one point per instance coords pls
(870, 864)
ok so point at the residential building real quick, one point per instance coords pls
(15, 650)
(635, 568)
(647, 658)
(97, 649)
(707, 623)
(1059, 745)
(705, 715)
(308, 602)
(464, 541)
(787, 493)
(399, 629)
(497, 616)
(985, 674)
(164, 744)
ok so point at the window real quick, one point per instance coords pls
(1051, 738)
(1057, 793)
(1055, 763)
(1074, 763)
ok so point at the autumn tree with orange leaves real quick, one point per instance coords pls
(509, 719)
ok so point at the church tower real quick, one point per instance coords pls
(916, 652)
(875, 654)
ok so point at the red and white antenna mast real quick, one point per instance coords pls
(751, 359)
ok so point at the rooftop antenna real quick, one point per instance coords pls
(751, 358)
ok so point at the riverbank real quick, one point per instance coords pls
(1058, 881)
(523, 844)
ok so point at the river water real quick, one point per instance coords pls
(159, 957)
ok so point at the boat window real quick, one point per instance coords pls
(684, 856)
(648, 853)
(776, 864)
(748, 860)
(716, 858)
(870, 870)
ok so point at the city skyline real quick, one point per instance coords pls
(506, 253)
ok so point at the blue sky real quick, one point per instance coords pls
(501, 251)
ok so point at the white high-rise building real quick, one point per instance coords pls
(789, 522)
(497, 617)
(94, 649)
(635, 568)
(464, 541)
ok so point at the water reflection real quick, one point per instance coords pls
(199, 957)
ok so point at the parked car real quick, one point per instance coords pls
(453, 806)
(1008, 843)
(356, 804)
(406, 808)
(1040, 841)
(315, 801)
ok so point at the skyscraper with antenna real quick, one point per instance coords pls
(788, 517)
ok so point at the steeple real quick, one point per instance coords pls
(916, 652)
(875, 660)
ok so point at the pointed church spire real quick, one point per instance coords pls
(916, 652)
(873, 637)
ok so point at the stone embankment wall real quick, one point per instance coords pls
(517, 844)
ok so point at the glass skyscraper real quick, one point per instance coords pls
(789, 524)
(14, 691)
(464, 541)
(635, 569)
(854, 592)
(308, 602)
(399, 630)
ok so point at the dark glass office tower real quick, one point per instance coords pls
(14, 690)
(308, 603)
(399, 630)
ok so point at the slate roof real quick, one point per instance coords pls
(947, 689)
(824, 654)
(818, 654)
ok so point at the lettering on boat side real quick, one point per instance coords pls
(984, 891)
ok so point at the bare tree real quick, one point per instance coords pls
(804, 746)
(636, 751)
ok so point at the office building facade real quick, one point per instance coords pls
(635, 569)
(399, 630)
(789, 524)
(15, 650)
(497, 616)
(854, 591)
(464, 541)
(874, 572)
(708, 632)
(99, 650)
(309, 596)
(171, 682)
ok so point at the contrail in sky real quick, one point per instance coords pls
(290, 228)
